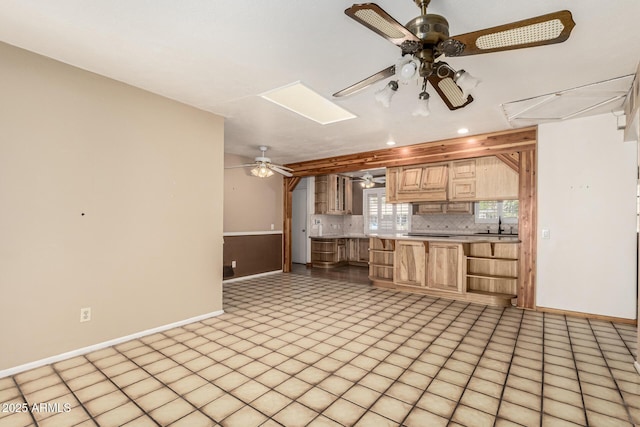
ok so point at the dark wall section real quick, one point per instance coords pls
(253, 254)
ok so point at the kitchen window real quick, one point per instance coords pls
(384, 218)
(488, 212)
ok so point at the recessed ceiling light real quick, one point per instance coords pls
(463, 131)
(301, 100)
(391, 143)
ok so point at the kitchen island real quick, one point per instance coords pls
(475, 268)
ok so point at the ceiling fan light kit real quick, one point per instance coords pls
(263, 168)
(425, 39)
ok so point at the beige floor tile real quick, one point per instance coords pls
(522, 398)
(271, 402)
(437, 405)
(466, 416)
(156, 398)
(106, 403)
(335, 385)
(96, 390)
(172, 411)
(231, 380)
(564, 411)
(420, 418)
(203, 395)
(222, 407)
(250, 391)
(295, 415)
(518, 414)
(405, 393)
(483, 402)
(317, 399)
(391, 408)
(120, 415)
(293, 388)
(344, 412)
(244, 417)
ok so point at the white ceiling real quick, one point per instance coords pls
(218, 55)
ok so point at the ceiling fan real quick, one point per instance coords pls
(262, 167)
(425, 40)
(369, 181)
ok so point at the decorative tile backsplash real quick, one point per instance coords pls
(328, 225)
(455, 223)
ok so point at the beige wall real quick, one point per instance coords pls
(110, 198)
(250, 203)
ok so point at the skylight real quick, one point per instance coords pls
(301, 100)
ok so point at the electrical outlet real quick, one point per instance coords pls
(273, 227)
(233, 264)
(85, 314)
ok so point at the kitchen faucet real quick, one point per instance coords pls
(499, 225)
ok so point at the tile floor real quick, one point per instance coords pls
(294, 350)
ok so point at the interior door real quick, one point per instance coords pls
(299, 224)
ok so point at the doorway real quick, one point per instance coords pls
(299, 223)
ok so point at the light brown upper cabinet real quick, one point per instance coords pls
(417, 183)
(484, 178)
(333, 195)
(462, 185)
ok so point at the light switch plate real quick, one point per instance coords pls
(546, 234)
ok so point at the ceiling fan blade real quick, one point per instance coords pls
(280, 170)
(380, 75)
(377, 20)
(539, 31)
(282, 167)
(449, 91)
(246, 165)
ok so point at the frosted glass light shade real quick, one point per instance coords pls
(422, 107)
(466, 82)
(385, 94)
(261, 171)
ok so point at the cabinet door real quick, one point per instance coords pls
(409, 263)
(342, 250)
(463, 190)
(463, 169)
(444, 267)
(460, 207)
(431, 208)
(363, 250)
(434, 178)
(339, 194)
(411, 179)
(391, 186)
(321, 199)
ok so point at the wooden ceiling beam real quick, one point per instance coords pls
(512, 160)
(490, 144)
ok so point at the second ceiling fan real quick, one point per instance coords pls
(425, 40)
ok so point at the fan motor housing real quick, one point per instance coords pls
(430, 28)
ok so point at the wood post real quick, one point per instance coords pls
(527, 229)
(288, 184)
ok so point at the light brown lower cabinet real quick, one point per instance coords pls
(381, 260)
(444, 269)
(409, 263)
(484, 273)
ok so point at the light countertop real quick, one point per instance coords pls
(436, 237)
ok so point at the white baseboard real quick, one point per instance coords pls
(100, 346)
(253, 276)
